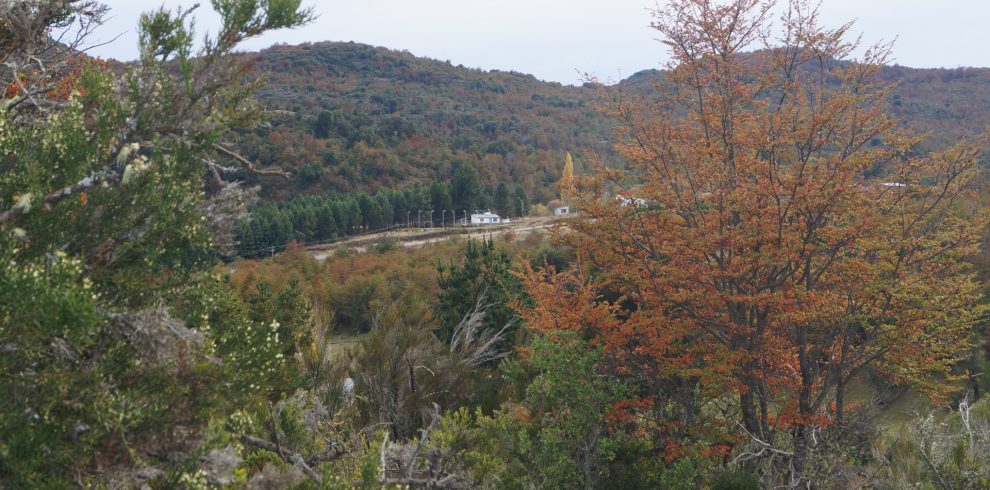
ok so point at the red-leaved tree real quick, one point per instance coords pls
(774, 237)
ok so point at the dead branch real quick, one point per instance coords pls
(55, 197)
(765, 447)
(422, 441)
(249, 165)
(381, 478)
(287, 455)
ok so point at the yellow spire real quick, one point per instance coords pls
(567, 179)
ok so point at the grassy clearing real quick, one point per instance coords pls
(341, 344)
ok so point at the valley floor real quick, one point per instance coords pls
(418, 237)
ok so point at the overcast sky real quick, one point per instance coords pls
(560, 39)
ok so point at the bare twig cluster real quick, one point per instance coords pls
(39, 39)
(475, 344)
(419, 464)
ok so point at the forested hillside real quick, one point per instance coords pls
(348, 116)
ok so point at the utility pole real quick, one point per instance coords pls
(443, 219)
(431, 218)
(419, 218)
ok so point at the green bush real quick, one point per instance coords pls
(735, 480)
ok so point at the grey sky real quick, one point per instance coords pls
(557, 39)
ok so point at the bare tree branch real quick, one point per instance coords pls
(287, 455)
(55, 197)
(249, 165)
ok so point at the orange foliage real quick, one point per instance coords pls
(565, 301)
(772, 251)
(57, 85)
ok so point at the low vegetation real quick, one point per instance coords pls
(787, 274)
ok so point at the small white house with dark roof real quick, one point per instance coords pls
(486, 218)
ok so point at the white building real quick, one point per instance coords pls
(562, 211)
(486, 218)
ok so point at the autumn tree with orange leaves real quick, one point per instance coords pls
(785, 238)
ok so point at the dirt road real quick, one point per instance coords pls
(419, 238)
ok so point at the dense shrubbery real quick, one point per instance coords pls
(109, 373)
(625, 361)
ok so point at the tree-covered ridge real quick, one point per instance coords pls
(348, 116)
(944, 104)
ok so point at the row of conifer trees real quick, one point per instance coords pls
(326, 217)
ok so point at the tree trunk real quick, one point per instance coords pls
(800, 458)
(747, 403)
(805, 412)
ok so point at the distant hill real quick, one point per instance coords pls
(943, 104)
(390, 119)
(348, 116)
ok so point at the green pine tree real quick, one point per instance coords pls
(483, 277)
(503, 200)
(520, 202)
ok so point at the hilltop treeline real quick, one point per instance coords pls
(348, 116)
